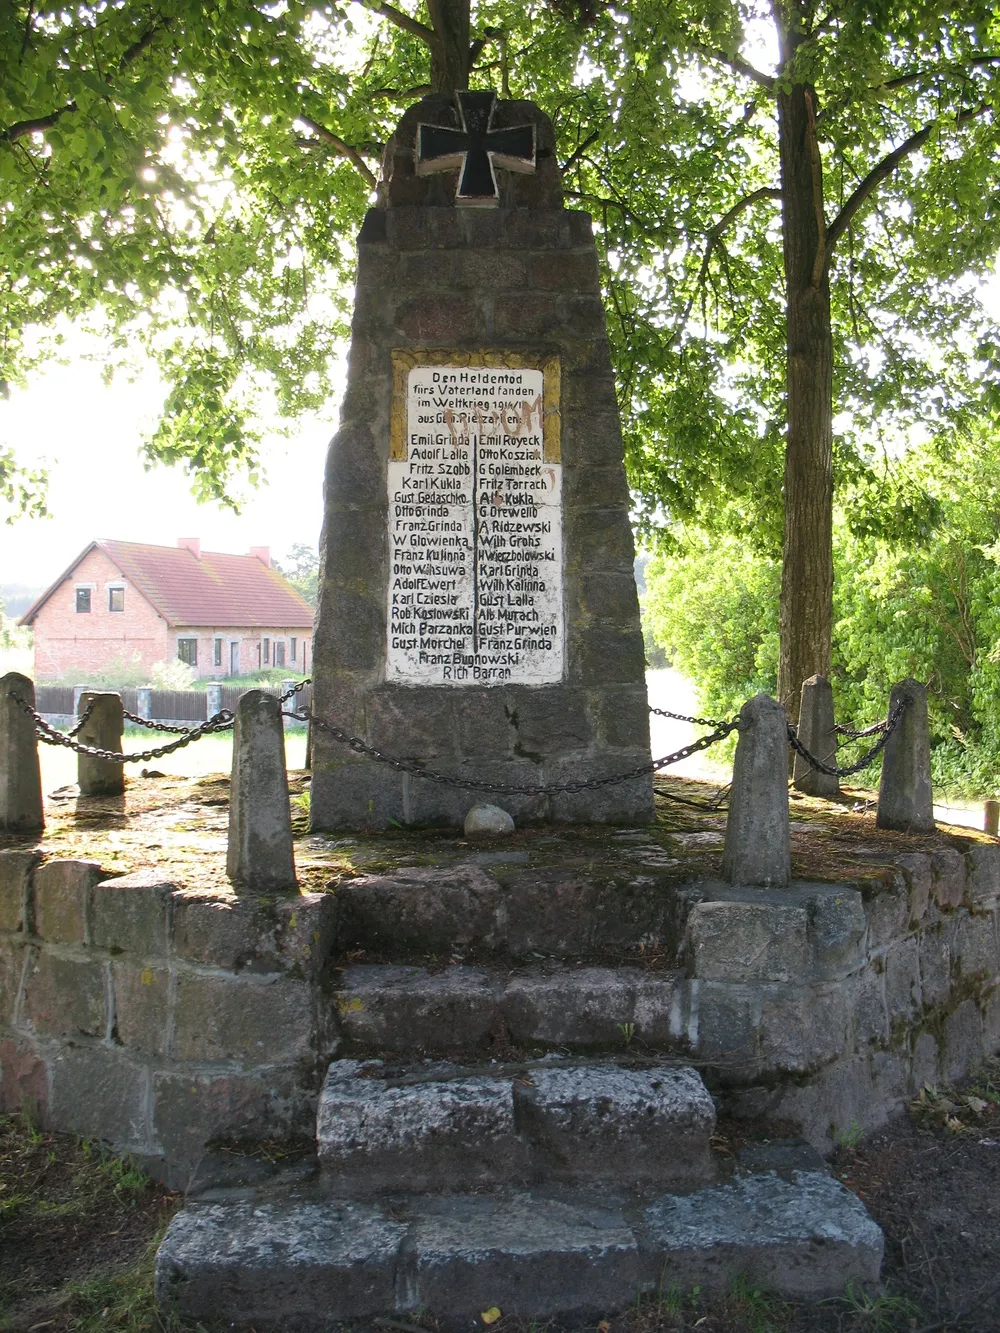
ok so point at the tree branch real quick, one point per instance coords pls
(579, 151)
(148, 37)
(403, 21)
(740, 66)
(22, 127)
(345, 150)
(714, 236)
(915, 76)
(886, 167)
(401, 94)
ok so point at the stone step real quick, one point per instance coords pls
(307, 1263)
(395, 1008)
(445, 1127)
(515, 912)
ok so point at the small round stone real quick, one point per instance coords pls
(487, 821)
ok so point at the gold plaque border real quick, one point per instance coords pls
(405, 358)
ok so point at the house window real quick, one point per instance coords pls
(116, 599)
(267, 651)
(293, 643)
(83, 599)
(279, 652)
(217, 653)
(187, 651)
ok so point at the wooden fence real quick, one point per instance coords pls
(165, 705)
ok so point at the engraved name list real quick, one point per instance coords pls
(475, 528)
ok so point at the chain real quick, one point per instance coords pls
(222, 721)
(854, 734)
(505, 788)
(74, 731)
(682, 717)
(296, 689)
(150, 725)
(888, 728)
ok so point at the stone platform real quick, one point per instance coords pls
(441, 1027)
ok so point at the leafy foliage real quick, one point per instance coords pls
(301, 569)
(929, 609)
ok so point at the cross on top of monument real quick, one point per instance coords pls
(476, 149)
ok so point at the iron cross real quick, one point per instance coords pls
(475, 149)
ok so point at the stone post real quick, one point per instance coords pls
(20, 775)
(758, 847)
(144, 701)
(78, 691)
(816, 732)
(260, 857)
(104, 727)
(213, 700)
(905, 796)
(991, 818)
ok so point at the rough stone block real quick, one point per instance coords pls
(935, 967)
(24, 1077)
(567, 913)
(542, 719)
(948, 877)
(963, 1040)
(62, 900)
(802, 1028)
(982, 884)
(916, 867)
(723, 1029)
(426, 911)
(16, 867)
(192, 1109)
(626, 1126)
(590, 1006)
(807, 1237)
(130, 914)
(377, 1134)
(410, 1009)
(747, 942)
(275, 1264)
(439, 319)
(65, 997)
(306, 926)
(991, 1020)
(530, 1256)
(99, 1092)
(141, 1006)
(925, 1068)
(836, 931)
(12, 956)
(973, 946)
(256, 1022)
(236, 933)
(903, 992)
(888, 911)
(623, 714)
(628, 802)
(871, 1019)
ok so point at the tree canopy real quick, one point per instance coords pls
(794, 202)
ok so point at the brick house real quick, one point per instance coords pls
(225, 615)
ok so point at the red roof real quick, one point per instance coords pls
(209, 590)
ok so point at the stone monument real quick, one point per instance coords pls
(478, 611)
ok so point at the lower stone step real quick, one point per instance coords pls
(442, 1127)
(586, 1254)
(399, 1008)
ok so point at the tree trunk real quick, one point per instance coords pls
(806, 619)
(450, 50)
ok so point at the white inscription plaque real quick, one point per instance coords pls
(475, 532)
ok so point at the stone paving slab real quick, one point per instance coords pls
(444, 1127)
(299, 1264)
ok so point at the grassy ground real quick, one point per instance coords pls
(79, 1229)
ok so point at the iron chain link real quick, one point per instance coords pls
(887, 728)
(221, 721)
(506, 788)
